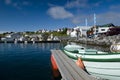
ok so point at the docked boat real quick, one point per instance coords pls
(115, 47)
(101, 64)
(79, 49)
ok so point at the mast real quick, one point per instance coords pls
(86, 23)
(94, 19)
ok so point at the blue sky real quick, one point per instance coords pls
(30, 15)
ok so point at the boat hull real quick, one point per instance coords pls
(106, 70)
(106, 66)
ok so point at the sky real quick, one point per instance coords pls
(32, 15)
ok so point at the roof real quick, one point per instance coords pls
(106, 25)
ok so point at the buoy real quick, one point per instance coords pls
(55, 70)
(80, 63)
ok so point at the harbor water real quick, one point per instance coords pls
(26, 61)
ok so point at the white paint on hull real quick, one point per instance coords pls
(107, 70)
(101, 69)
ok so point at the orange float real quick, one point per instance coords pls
(80, 63)
(55, 70)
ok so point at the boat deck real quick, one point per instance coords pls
(68, 69)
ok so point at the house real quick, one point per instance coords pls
(78, 31)
(50, 37)
(12, 36)
(56, 38)
(43, 31)
(99, 30)
(69, 31)
(113, 31)
(73, 33)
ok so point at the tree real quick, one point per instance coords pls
(45, 36)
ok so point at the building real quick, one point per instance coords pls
(12, 36)
(78, 31)
(99, 30)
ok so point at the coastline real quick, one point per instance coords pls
(29, 41)
(104, 41)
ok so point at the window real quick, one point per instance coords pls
(96, 30)
(102, 29)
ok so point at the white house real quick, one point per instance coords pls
(103, 29)
(73, 33)
(21, 38)
(84, 29)
(69, 31)
(79, 30)
(100, 29)
(12, 37)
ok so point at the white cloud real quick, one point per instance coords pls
(97, 4)
(25, 3)
(115, 7)
(109, 17)
(59, 13)
(77, 19)
(80, 19)
(16, 4)
(8, 2)
(82, 4)
(103, 18)
(77, 3)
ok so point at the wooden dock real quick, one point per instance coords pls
(68, 69)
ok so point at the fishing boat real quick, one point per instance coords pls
(97, 63)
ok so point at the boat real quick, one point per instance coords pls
(115, 47)
(79, 49)
(97, 63)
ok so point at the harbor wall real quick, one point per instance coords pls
(105, 41)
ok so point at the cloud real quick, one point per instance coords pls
(109, 17)
(77, 19)
(77, 3)
(8, 2)
(115, 7)
(80, 19)
(59, 13)
(16, 4)
(97, 4)
(82, 4)
(25, 3)
(103, 18)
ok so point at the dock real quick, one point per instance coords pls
(68, 69)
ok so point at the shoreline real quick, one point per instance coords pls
(29, 41)
(104, 41)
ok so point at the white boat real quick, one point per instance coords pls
(79, 49)
(115, 48)
(105, 65)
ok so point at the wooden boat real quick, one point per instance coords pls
(101, 64)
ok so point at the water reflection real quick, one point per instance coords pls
(26, 61)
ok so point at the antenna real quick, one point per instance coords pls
(86, 23)
(94, 19)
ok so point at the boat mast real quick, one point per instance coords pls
(86, 23)
(94, 19)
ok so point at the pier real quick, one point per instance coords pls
(68, 69)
